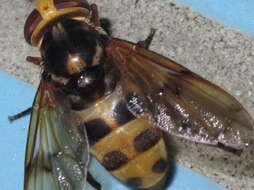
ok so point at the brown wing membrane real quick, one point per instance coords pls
(183, 103)
(57, 152)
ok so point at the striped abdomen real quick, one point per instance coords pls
(126, 146)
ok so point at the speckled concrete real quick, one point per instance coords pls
(221, 55)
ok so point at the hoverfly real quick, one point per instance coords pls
(117, 101)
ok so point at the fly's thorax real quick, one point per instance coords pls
(70, 46)
(74, 58)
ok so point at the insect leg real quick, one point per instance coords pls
(19, 115)
(95, 15)
(230, 149)
(146, 43)
(34, 60)
(106, 25)
(37, 61)
(93, 182)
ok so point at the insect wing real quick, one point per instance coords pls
(180, 102)
(57, 152)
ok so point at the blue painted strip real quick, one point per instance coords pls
(233, 13)
(16, 96)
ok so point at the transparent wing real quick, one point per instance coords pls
(180, 102)
(57, 150)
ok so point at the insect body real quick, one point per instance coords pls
(115, 100)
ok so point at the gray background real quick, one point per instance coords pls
(219, 54)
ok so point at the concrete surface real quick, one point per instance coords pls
(219, 54)
(232, 13)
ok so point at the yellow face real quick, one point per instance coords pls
(48, 12)
(46, 8)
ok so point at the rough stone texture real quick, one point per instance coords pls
(219, 54)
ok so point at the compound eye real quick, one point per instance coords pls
(62, 4)
(31, 23)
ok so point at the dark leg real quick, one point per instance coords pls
(95, 15)
(93, 182)
(146, 43)
(34, 60)
(106, 25)
(229, 149)
(37, 61)
(19, 115)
